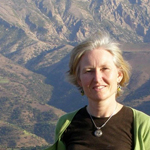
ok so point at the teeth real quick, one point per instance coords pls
(100, 87)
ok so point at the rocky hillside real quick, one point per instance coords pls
(31, 28)
(36, 37)
(25, 119)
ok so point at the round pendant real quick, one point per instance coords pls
(98, 133)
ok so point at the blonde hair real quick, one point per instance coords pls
(98, 40)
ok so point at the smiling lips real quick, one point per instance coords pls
(99, 87)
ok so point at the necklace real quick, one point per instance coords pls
(98, 132)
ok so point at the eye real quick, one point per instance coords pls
(88, 70)
(105, 68)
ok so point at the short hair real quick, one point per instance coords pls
(98, 40)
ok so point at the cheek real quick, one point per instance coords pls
(85, 80)
(111, 77)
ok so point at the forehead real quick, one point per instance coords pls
(97, 56)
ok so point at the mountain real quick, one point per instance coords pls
(25, 117)
(36, 37)
(31, 28)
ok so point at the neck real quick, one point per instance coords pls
(102, 109)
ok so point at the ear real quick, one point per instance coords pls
(120, 76)
(79, 83)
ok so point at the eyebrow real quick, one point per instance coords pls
(91, 67)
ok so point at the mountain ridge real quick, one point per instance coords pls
(60, 20)
(23, 99)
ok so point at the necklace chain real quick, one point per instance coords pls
(99, 128)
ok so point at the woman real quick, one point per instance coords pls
(98, 69)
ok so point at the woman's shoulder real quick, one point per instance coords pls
(64, 122)
(140, 116)
(140, 113)
(68, 116)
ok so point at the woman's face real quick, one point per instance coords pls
(99, 75)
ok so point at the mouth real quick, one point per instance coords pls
(99, 87)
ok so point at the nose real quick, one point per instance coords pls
(98, 75)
